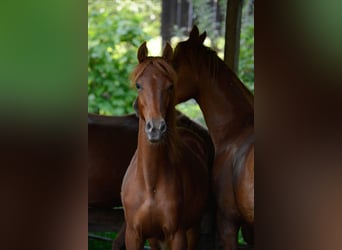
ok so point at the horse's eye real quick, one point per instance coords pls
(170, 88)
(138, 86)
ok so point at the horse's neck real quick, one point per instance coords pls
(226, 107)
(153, 160)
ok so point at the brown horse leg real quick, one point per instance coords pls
(154, 244)
(192, 236)
(227, 230)
(119, 241)
(133, 240)
(179, 241)
(208, 229)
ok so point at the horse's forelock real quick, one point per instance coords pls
(166, 69)
(163, 66)
(198, 54)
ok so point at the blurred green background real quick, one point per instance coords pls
(117, 28)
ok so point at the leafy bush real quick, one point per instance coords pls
(115, 31)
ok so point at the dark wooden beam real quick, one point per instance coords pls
(168, 16)
(232, 37)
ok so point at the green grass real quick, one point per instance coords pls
(94, 244)
(241, 241)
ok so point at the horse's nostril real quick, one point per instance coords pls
(149, 125)
(162, 126)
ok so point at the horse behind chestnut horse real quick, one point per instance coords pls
(112, 141)
(165, 189)
(228, 110)
(108, 157)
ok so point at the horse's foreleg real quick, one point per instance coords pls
(158, 245)
(193, 235)
(119, 241)
(228, 233)
(133, 240)
(179, 241)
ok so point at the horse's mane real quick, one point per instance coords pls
(215, 62)
(158, 62)
(208, 60)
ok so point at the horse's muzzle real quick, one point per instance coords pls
(155, 129)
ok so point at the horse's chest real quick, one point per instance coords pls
(158, 214)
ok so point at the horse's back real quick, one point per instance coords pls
(112, 141)
(129, 121)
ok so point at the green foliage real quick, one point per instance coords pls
(246, 57)
(115, 31)
(205, 19)
(191, 109)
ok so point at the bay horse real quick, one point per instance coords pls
(165, 188)
(228, 110)
(112, 141)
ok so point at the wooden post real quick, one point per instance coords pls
(232, 37)
(168, 16)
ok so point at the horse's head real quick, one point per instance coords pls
(154, 80)
(184, 62)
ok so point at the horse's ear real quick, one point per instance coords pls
(202, 37)
(194, 33)
(142, 52)
(135, 107)
(167, 52)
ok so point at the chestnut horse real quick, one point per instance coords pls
(228, 110)
(165, 189)
(109, 157)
